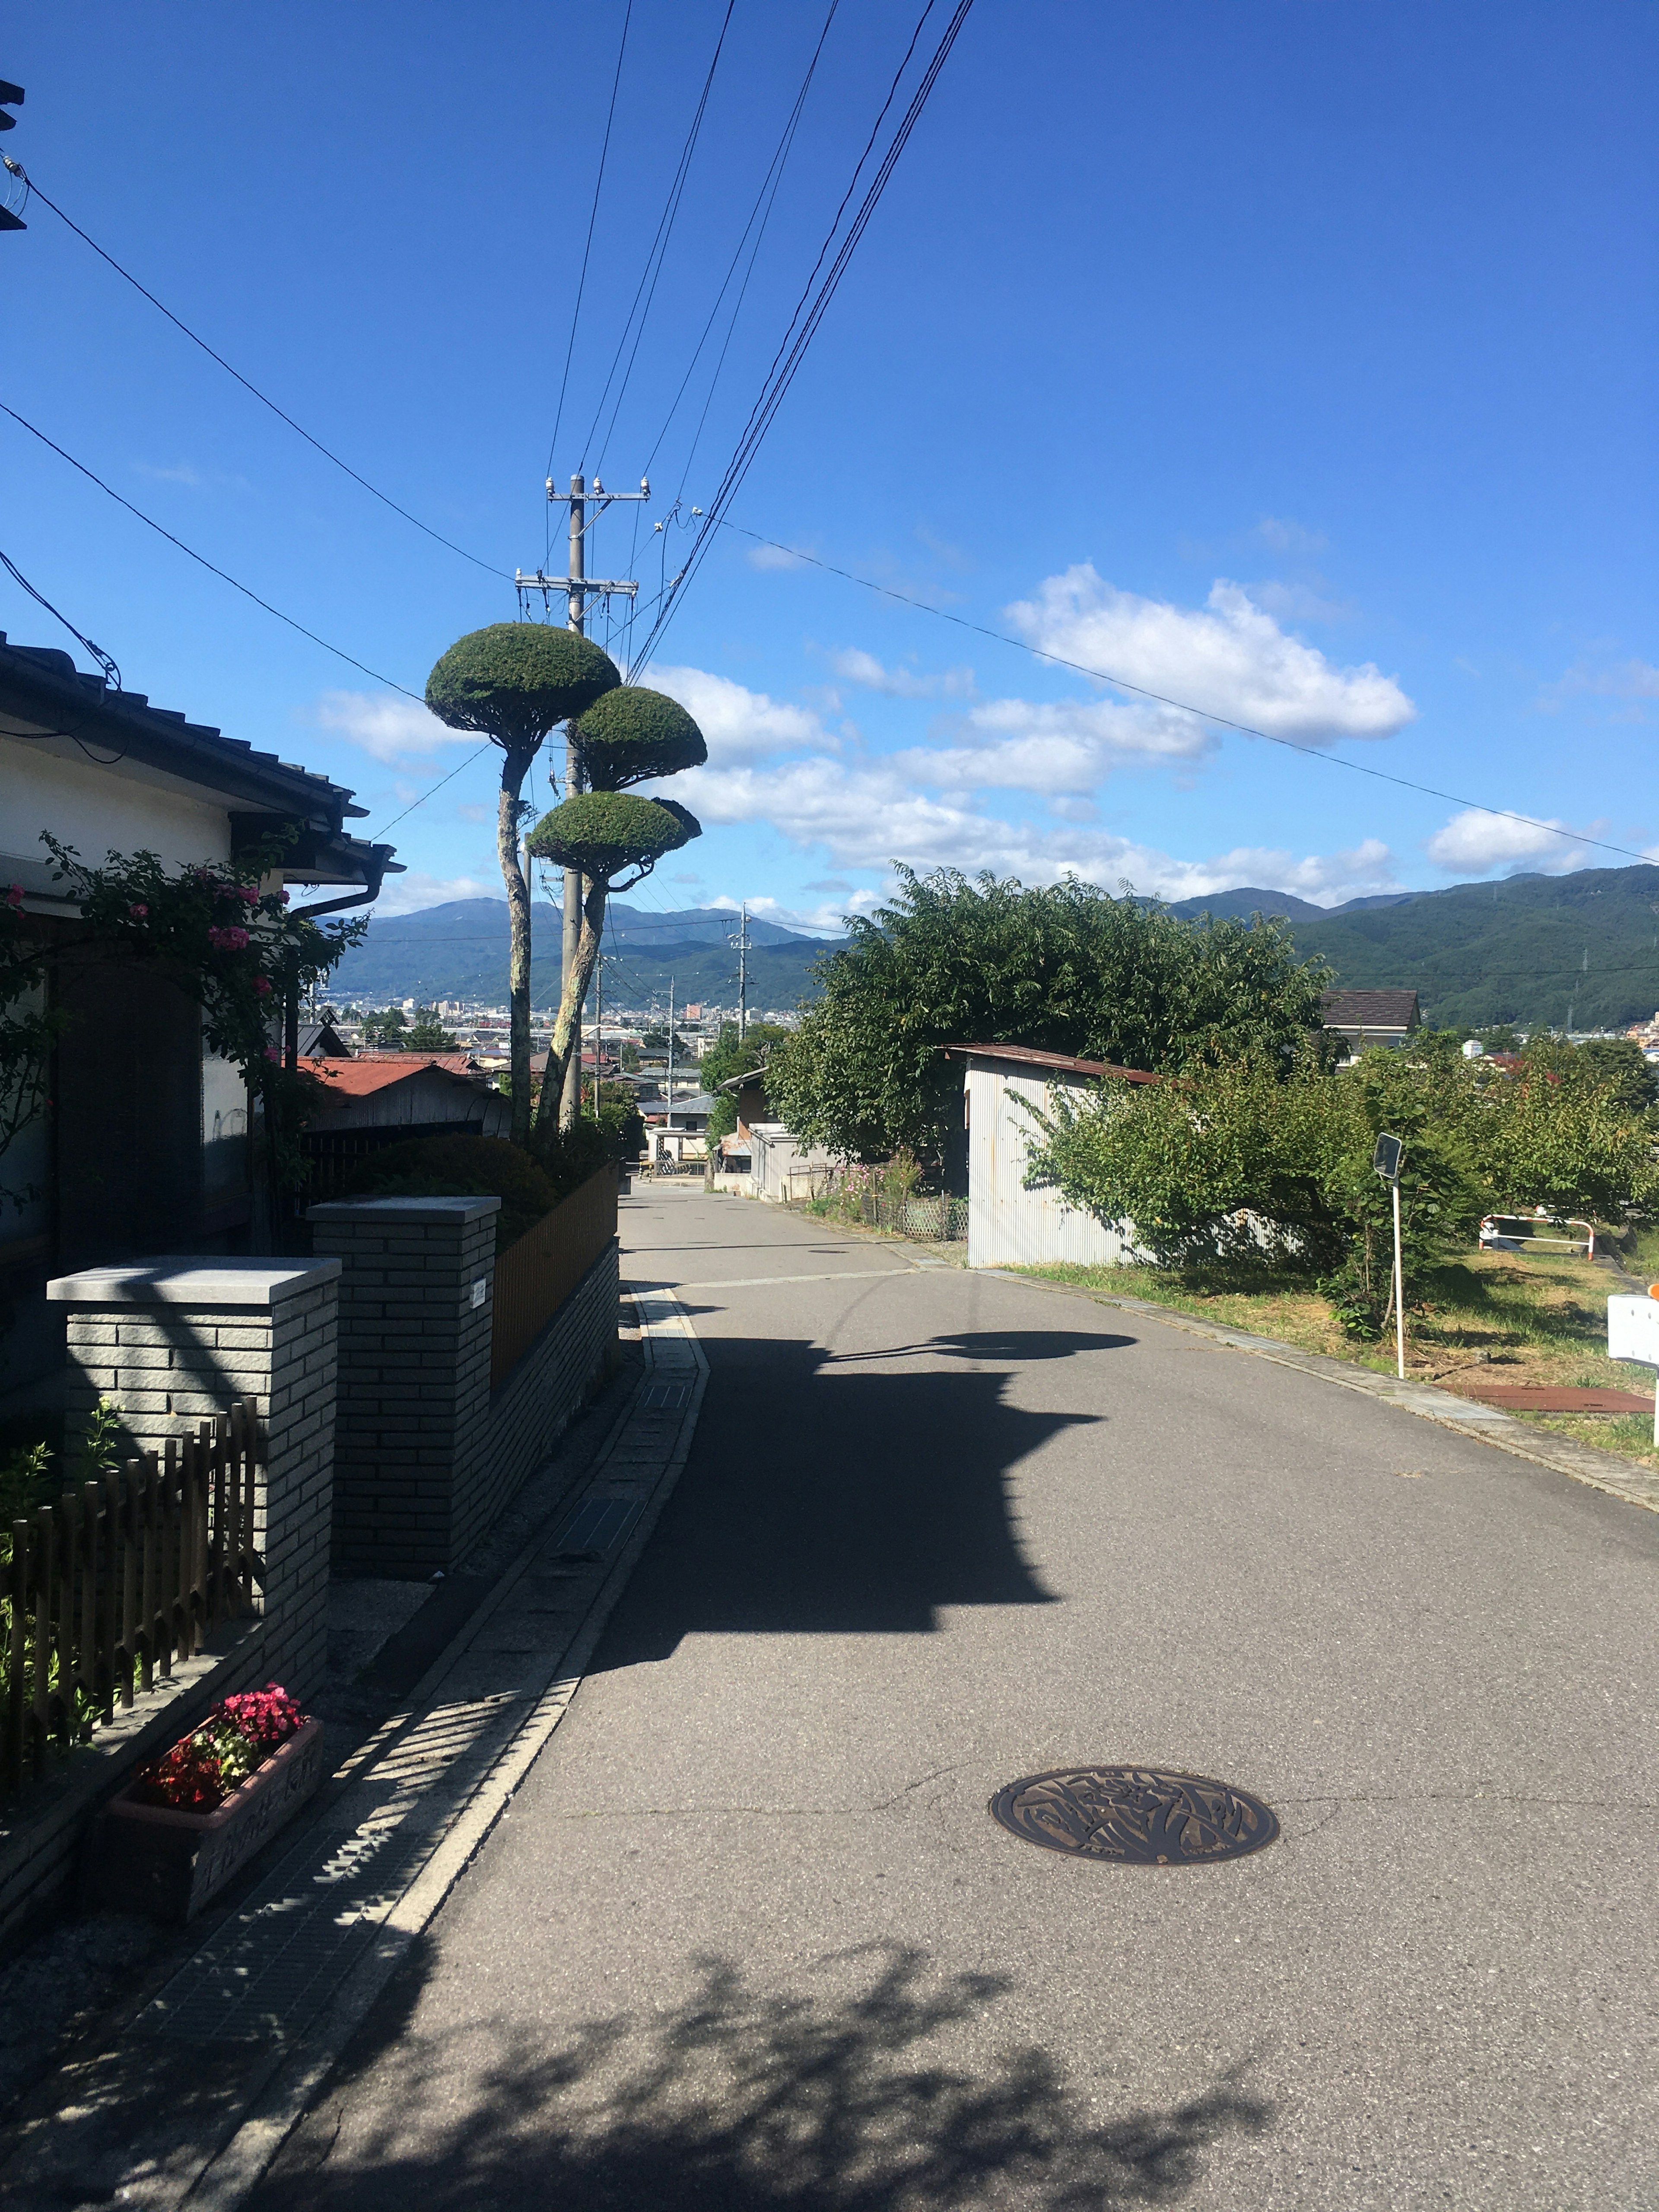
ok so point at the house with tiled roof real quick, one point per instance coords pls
(1365, 1018)
(145, 1143)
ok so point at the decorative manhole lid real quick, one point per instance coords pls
(1135, 1816)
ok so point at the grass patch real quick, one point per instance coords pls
(1507, 1317)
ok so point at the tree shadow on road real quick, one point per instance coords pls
(820, 1499)
(866, 2088)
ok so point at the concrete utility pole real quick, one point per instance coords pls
(741, 941)
(670, 1053)
(578, 587)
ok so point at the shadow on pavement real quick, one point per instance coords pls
(847, 2092)
(818, 1500)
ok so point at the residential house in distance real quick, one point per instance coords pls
(1008, 1225)
(145, 1145)
(1365, 1018)
(386, 1099)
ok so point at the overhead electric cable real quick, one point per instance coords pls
(768, 192)
(654, 258)
(1184, 707)
(263, 398)
(587, 248)
(105, 660)
(202, 561)
(804, 327)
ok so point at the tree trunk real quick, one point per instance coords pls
(566, 1043)
(518, 913)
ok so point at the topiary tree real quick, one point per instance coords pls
(629, 735)
(513, 682)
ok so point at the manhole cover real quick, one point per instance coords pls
(1135, 1816)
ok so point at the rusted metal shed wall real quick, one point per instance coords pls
(1009, 1226)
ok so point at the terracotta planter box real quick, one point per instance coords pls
(154, 1859)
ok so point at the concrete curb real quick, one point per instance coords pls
(1626, 1479)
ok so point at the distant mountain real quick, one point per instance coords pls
(459, 950)
(1578, 951)
(1240, 905)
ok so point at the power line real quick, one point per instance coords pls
(202, 561)
(804, 327)
(263, 398)
(105, 661)
(1163, 699)
(581, 281)
(654, 258)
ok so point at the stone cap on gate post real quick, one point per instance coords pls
(188, 1279)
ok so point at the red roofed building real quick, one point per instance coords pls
(389, 1098)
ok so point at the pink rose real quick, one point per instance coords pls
(271, 1053)
(139, 913)
(228, 941)
(250, 896)
(263, 987)
(15, 896)
(284, 897)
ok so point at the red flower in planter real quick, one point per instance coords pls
(200, 1772)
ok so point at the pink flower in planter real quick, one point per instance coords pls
(232, 940)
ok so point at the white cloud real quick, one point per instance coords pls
(1285, 536)
(1299, 602)
(1229, 659)
(867, 816)
(1064, 746)
(395, 731)
(767, 557)
(1636, 682)
(826, 918)
(409, 894)
(861, 667)
(1474, 841)
(737, 723)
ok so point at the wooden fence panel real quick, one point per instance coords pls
(534, 1276)
(108, 1585)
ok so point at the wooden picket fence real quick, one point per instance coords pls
(107, 1588)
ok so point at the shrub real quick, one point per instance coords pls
(463, 1167)
(632, 734)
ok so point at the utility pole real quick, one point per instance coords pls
(598, 1027)
(578, 587)
(741, 941)
(671, 1052)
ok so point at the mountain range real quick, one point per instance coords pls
(1578, 952)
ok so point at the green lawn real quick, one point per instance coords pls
(1516, 1317)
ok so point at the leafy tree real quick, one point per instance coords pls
(1562, 1132)
(426, 1033)
(385, 1028)
(513, 682)
(1064, 969)
(624, 738)
(728, 1057)
(1620, 1067)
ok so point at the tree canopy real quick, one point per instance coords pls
(513, 681)
(604, 832)
(729, 1056)
(631, 734)
(1065, 968)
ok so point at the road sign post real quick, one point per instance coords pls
(1386, 1160)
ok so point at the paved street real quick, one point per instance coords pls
(747, 1938)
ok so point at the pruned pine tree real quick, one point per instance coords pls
(628, 735)
(513, 682)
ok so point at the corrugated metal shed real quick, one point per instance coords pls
(1008, 1225)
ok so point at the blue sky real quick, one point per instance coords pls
(1296, 362)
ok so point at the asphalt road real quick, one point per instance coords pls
(748, 1939)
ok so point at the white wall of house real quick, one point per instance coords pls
(1009, 1226)
(95, 808)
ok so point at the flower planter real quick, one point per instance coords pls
(154, 1859)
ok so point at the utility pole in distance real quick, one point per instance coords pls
(578, 587)
(741, 941)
